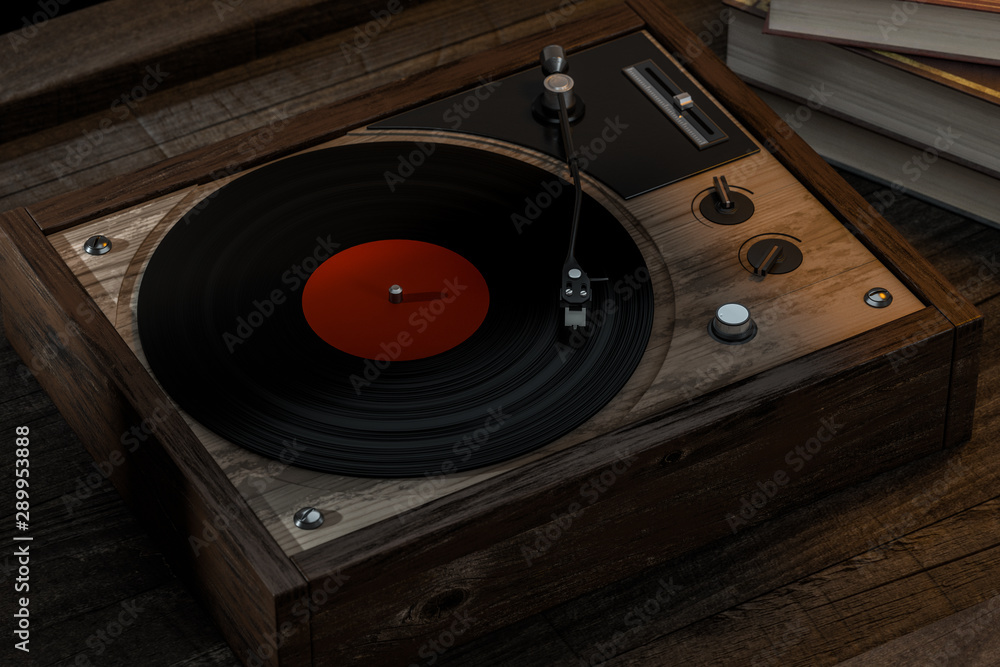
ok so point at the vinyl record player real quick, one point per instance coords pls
(482, 342)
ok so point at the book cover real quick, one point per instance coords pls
(864, 91)
(979, 80)
(952, 29)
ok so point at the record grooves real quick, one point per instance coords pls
(221, 320)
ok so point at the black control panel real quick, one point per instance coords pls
(646, 124)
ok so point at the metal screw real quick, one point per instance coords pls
(97, 245)
(583, 292)
(308, 518)
(569, 291)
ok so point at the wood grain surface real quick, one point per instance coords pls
(112, 403)
(743, 601)
(110, 57)
(279, 138)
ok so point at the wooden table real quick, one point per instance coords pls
(902, 569)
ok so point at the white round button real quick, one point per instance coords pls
(732, 314)
(732, 324)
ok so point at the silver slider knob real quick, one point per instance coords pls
(683, 101)
(732, 324)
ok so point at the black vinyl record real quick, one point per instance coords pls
(221, 320)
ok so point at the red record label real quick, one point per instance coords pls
(443, 300)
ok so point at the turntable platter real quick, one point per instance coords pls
(265, 312)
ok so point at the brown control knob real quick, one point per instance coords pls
(774, 257)
(725, 206)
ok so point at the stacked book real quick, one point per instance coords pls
(904, 92)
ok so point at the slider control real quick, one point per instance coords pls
(676, 104)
